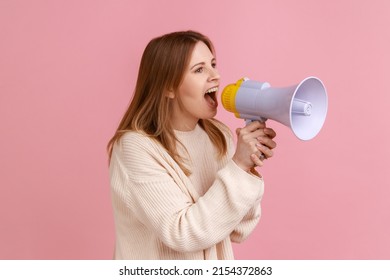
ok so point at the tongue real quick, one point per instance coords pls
(209, 100)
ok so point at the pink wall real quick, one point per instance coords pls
(67, 71)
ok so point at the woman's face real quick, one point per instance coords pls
(196, 96)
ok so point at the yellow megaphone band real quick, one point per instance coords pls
(228, 97)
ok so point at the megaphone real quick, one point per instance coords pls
(301, 107)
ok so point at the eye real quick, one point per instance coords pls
(214, 64)
(199, 70)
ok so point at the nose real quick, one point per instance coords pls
(214, 74)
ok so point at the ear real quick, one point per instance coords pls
(170, 94)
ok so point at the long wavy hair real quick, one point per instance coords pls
(162, 68)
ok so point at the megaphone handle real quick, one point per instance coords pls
(248, 121)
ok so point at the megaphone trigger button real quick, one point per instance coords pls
(262, 157)
(262, 151)
(266, 151)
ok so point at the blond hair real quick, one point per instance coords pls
(162, 68)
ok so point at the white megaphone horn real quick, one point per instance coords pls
(301, 107)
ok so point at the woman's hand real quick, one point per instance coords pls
(253, 140)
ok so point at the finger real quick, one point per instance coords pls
(256, 133)
(249, 134)
(267, 142)
(270, 132)
(256, 160)
(267, 152)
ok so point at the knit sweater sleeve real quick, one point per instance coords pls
(160, 203)
(252, 217)
(247, 224)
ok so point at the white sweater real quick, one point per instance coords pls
(160, 213)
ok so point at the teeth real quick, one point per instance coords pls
(214, 89)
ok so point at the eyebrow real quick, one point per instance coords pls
(202, 63)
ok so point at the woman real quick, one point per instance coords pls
(180, 189)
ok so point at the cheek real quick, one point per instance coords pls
(192, 88)
(190, 104)
(190, 96)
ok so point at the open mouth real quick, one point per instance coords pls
(211, 96)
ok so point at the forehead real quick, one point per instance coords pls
(201, 53)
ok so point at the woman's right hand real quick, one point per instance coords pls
(252, 141)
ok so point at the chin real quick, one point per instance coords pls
(211, 115)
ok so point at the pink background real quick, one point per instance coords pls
(67, 72)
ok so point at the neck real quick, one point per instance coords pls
(184, 126)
